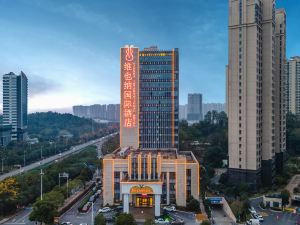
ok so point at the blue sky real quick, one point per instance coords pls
(69, 49)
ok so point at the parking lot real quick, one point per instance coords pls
(273, 217)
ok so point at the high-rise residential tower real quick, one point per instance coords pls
(251, 91)
(219, 107)
(15, 88)
(183, 112)
(159, 102)
(280, 89)
(292, 72)
(194, 111)
(81, 111)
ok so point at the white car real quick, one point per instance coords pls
(104, 210)
(253, 222)
(258, 217)
(83, 224)
(161, 221)
(252, 210)
(170, 208)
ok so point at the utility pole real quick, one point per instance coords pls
(92, 213)
(68, 186)
(41, 184)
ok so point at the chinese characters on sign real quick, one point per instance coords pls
(129, 99)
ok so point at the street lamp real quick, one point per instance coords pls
(41, 184)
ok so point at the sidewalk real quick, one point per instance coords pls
(74, 198)
(294, 182)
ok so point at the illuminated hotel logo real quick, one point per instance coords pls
(129, 96)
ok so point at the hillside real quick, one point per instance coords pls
(56, 133)
(51, 125)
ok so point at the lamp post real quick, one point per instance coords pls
(92, 222)
(41, 184)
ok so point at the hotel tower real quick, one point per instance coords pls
(148, 171)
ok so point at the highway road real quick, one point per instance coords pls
(51, 159)
(23, 216)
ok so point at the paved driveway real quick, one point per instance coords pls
(220, 217)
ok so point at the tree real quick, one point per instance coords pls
(43, 211)
(124, 218)
(9, 191)
(100, 220)
(208, 117)
(213, 156)
(85, 174)
(193, 205)
(205, 222)
(149, 222)
(285, 196)
(240, 209)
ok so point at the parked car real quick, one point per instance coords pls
(170, 208)
(161, 221)
(259, 217)
(86, 207)
(83, 224)
(253, 222)
(252, 210)
(119, 208)
(104, 210)
(66, 223)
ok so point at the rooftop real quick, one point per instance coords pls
(123, 153)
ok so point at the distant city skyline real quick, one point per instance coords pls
(76, 61)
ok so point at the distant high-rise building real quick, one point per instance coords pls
(292, 72)
(109, 112)
(117, 117)
(183, 112)
(113, 112)
(194, 108)
(95, 111)
(251, 91)
(159, 103)
(15, 109)
(103, 112)
(219, 107)
(81, 111)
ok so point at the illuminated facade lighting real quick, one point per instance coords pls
(147, 170)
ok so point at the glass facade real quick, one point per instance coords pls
(159, 103)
